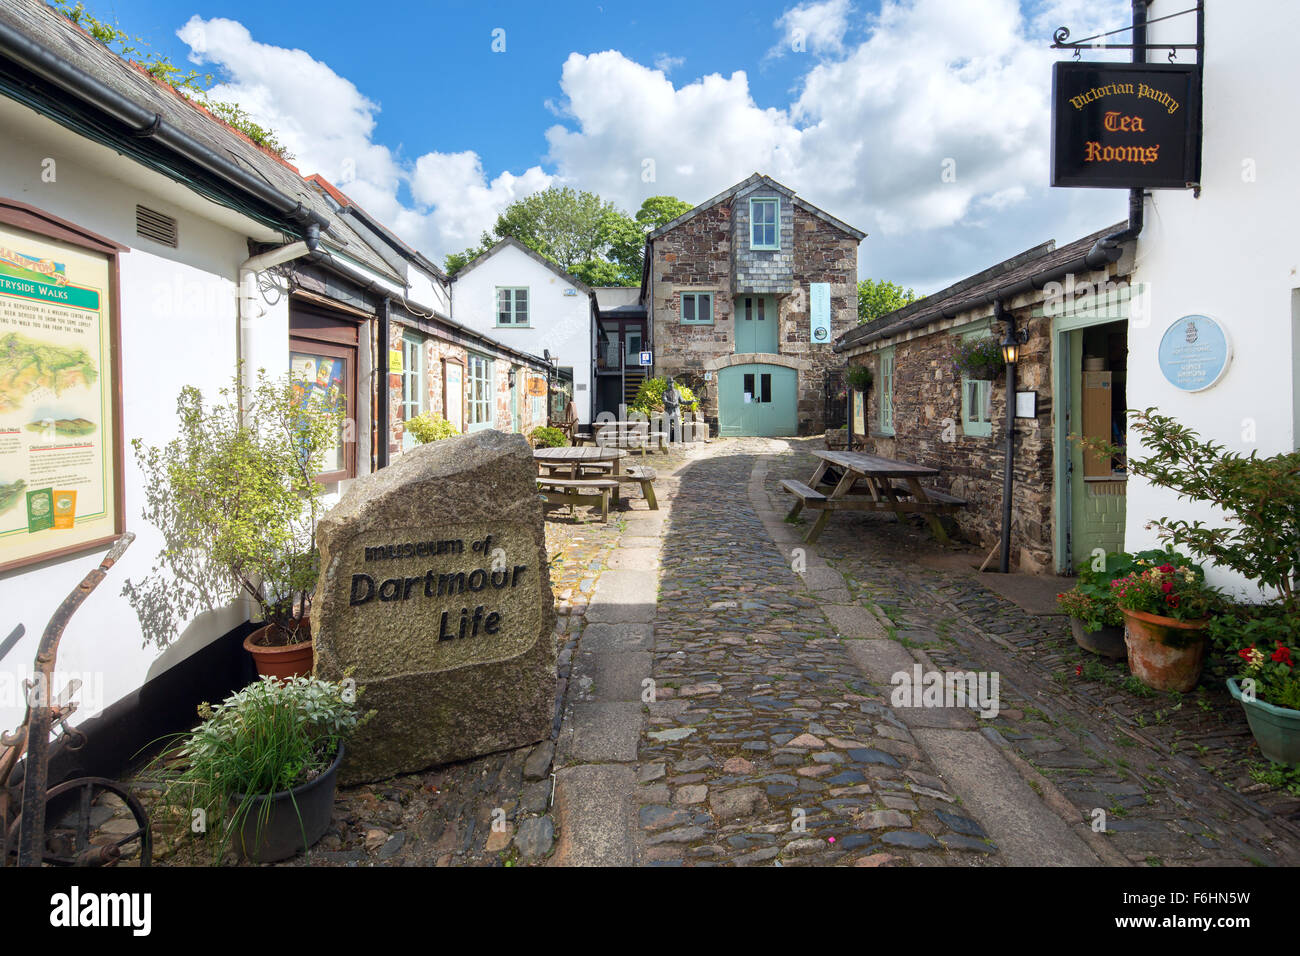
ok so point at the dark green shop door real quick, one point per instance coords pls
(758, 400)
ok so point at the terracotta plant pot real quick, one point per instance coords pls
(1164, 653)
(283, 661)
(1106, 641)
(1276, 729)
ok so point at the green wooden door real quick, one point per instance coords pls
(755, 323)
(758, 400)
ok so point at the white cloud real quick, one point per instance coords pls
(455, 200)
(885, 101)
(816, 28)
(666, 64)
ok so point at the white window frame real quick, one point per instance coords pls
(415, 393)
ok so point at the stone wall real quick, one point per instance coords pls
(928, 430)
(698, 256)
(435, 351)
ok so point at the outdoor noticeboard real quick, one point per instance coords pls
(1126, 125)
(59, 441)
(819, 307)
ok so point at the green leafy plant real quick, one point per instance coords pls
(859, 377)
(1260, 643)
(430, 427)
(980, 359)
(650, 397)
(270, 737)
(1260, 538)
(547, 437)
(1092, 600)
(236, 498)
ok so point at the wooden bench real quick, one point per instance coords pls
(938, 497)
(644, 476)
(569, 491)
(803, 497)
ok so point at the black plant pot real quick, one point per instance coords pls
(295, 820)
(1106, 641)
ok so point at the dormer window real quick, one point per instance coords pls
(764, 224)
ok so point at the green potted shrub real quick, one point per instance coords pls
(1261, 642)
(236, 498)
(261, 770)
(545, 436)
(650, 397)
(429, 428)
(979, 359)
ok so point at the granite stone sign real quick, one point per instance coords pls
(435, 597)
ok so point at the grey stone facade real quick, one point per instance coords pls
(708, 250)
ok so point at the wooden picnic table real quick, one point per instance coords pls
(573, 457)
(878, 474)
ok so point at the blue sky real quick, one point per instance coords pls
(859, 108)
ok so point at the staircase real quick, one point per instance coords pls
(632, 380)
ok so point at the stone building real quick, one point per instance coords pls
(746, 293)
(1073, 308)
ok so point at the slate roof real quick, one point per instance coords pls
(754, 180)
(970, 292)
(48, 28)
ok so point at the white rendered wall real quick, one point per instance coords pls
(558, 322)
(178, 327)
(1233, 255)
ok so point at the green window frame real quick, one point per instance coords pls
(976, 397)
(886, 399)
(697, 308)
(480, 396)
(512, 307)
(765, 224)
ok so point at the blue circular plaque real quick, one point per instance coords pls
(1194, 353)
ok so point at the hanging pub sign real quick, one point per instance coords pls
(1126, 125)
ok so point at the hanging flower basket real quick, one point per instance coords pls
(981, 360)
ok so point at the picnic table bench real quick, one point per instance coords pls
(877, 474)
(557, 492)
(564, 474)
(635, 435)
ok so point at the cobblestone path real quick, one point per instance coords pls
(1175, 775)
(765, 743)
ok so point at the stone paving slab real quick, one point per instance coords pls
(593, 802)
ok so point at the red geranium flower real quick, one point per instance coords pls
(1172, 600)
(1166, 568)
(1283, 656)
(1167, 587)
(1245, 652)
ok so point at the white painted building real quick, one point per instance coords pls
(529, 303)
(71, 168)
(1232, 254)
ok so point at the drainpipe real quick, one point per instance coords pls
(248, 292)
(1008, 477)
(382, 399)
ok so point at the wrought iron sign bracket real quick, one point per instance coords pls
(1061, 38)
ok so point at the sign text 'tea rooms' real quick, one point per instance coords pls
(1125, 125)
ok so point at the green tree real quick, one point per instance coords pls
(877, 297)
(660, 210)
(588, 237)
